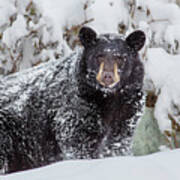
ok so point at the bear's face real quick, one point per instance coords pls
(109, 58)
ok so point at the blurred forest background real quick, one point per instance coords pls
(36, 31)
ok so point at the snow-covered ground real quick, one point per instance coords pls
(159, 166)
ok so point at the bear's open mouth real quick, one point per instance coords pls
(108, 78)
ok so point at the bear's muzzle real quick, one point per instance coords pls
(108, 76)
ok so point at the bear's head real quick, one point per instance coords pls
(109, 59)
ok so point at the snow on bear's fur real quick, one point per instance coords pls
(82, 106)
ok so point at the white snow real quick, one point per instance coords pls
(17, 31)
(172, 37)
(162, 61)
(164, 165)
(163, 69)
(107, 15)
(6, 9)
(62, 14)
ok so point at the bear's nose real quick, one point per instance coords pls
(107, 78)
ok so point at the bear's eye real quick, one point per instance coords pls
(120, 61)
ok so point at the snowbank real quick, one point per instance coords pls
(164, 165)
(163, 70)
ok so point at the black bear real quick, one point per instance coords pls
(82, 106)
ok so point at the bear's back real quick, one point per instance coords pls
(29, 102)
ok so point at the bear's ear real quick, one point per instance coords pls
(136, 40)
(87, 36)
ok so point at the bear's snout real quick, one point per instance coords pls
(108, 77)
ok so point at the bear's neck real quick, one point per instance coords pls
(112, 108)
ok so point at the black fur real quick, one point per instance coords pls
(58, 111)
